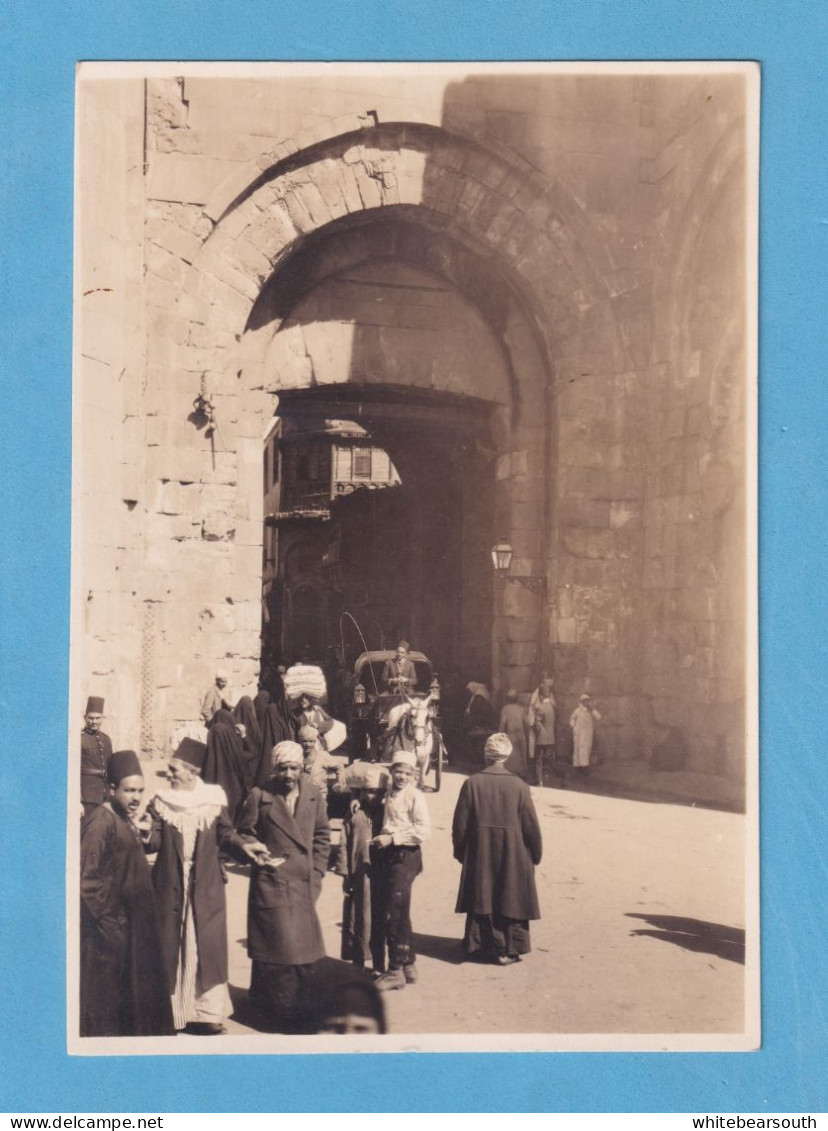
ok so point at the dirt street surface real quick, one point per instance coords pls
(642, 928)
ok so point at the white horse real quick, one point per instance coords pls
(410, 728)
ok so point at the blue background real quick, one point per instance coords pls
(41, 41)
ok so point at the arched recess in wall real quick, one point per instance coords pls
(703, 329)
(706, 285)
(722, 173)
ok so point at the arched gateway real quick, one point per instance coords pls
(547, 338)
(459, 395)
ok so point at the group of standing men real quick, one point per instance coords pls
(533, 732)
(154, 954)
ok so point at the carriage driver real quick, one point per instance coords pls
(399, 674)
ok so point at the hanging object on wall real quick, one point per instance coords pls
(204, 416)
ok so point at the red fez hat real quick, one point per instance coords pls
(94, 705)
(192, 752)
(123, 764)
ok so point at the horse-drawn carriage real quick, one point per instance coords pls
(404, 715)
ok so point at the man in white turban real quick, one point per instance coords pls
(283, 830)
(497, 839)
(317, 764)
(498, 748)
(219, 697)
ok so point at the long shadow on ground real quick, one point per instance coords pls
(245, 1013)
(695, 935)
(438, 946)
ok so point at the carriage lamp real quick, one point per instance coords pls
(360, 699)
(434, 702)
(501, 560)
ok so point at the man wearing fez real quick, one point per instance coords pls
(283, 831)
(123, 990)
(188, 823)
(96, 749)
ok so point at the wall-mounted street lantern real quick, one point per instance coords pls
(501, 560)
(501, 556)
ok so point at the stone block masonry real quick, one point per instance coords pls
(568, 253)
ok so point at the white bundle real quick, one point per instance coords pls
(304, 679)
(365, 775)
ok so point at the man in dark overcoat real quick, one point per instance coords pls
(96, 750)
(497, 839)
(399, 674)
(123, 991)
(283, 830)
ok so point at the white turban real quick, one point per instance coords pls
(284, 752)
(404, 758)
(498, 747)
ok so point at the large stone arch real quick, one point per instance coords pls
(544, 281)
(526, 225)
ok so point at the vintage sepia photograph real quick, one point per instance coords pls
(413, 691)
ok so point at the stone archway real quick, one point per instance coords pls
(514, 244)
(527, 228)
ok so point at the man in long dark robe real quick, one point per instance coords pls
(123, 989)
(497, 839)
(283, 830)
(96, 750)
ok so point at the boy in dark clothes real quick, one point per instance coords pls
(363, 936)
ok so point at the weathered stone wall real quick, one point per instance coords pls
(108, 499)
(595, 225)
(695, 518)
(588, 138)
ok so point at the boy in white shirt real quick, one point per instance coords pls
(405, 826)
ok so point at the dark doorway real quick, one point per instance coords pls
(306, 624)
(410, 559)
